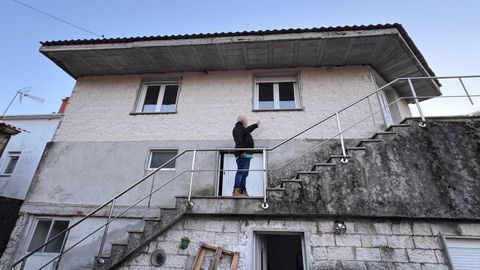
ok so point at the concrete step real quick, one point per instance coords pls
(381, 134)
(334, 157)
(315, 165)
(356, 148)
(293, 181)
(224, 205)
(275, 189)
(394, 127)
(364, 141)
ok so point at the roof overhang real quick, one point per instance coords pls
(8, 129)
(387, 48)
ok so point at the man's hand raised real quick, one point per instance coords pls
(258, 122)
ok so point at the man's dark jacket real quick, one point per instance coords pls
(242, 137)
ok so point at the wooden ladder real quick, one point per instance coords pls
(197, 264)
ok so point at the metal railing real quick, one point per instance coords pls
(189, 204)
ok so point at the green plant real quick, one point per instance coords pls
(184, 242)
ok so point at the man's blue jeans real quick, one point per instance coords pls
(243, 164)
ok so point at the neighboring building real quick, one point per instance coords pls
(6, 132)
(139, 102)
(24, 151)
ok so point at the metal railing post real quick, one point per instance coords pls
(344, 153)
(61, 250)
(151, 189)
(105, 232)
(189, 203)
(23, 264)
(422, 123)
(371, 110)
(265, 205)
(465, 89)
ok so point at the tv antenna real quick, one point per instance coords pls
(24, 92)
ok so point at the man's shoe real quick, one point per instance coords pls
(244, 193)
(237, 192)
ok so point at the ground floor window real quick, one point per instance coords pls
(45, 230)
(279, 251)
(463, 252)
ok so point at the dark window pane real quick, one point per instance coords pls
(151, 98)
(265, 96)
(160, 157)
(39, 235)
(56, 245)
(286, 95)
(11, 164)
(169, 98)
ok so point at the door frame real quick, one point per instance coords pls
(219, 178)
(255, 262)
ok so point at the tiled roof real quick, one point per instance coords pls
(397, 26)
(7, 128)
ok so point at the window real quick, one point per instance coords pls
(11, 162)
(159, 157)
(45, 230)
(464, 252)
(158, 98)
(276, 93)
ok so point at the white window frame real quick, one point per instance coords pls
(455, 237)
(276, 95)
(158, 106)
(32, 232)
(7, 162)
(150, 155)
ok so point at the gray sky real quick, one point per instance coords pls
(446, 32)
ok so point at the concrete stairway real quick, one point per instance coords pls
(334, 160)
(153, 228)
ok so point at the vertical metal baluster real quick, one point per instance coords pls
(371, 111)
(61, 250)
(23, 264)
(189, 203)
(422, 123)
(465, 89)
(381, 108)
(344, 153)
(265, 205)
(151, 189)
(105, 231)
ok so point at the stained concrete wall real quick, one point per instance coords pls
(208, 105)
(367, 244)
(420, 172)
(31, 145)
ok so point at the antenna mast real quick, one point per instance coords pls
(24, 92)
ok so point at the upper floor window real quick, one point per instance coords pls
(158, 98)
(464, 252)
(276, 93)
(12, 161)
(45, 230)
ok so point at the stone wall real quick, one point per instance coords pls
(208, 106)
(367, 244)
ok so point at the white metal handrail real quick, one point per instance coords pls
(265, 169)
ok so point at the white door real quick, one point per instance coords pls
(254, 178)
(385, 109)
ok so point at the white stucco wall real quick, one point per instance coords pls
(31, 145)
(208, 105)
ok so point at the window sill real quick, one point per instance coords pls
(5, 175)
(276, 110)
(144, 113)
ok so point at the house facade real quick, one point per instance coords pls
(171, 102)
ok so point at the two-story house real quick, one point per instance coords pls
(143, 156)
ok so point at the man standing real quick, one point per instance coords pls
(243, 139)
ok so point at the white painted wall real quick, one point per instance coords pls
(208, 105)
(31, 145)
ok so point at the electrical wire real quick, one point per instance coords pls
(58, 19)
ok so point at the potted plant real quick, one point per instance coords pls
(184, 242)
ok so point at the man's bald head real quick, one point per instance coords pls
(243, 119)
